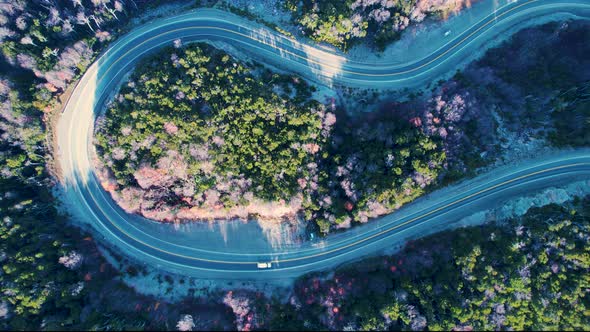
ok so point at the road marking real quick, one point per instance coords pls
(455, 45)
(353, 243)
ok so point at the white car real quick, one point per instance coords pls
(266, 265)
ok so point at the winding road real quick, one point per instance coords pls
(231, 250)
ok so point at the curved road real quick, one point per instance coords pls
(231, 251)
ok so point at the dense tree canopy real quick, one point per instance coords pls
(199, 131)
(203, 129)
(231, 135)
(530, 273)
(571, 116)
(344, 22)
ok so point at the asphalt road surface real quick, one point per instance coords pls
(232, 249)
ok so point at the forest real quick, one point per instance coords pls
(200, 137)
(531, 272)
(344, 23)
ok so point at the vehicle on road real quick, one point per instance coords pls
(264, 265)
(194, 253)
